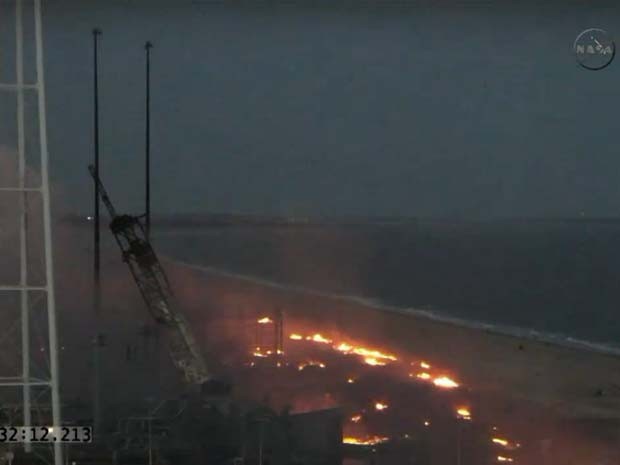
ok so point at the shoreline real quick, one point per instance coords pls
(510, 372)
(560, 340)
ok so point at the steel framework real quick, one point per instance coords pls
(29, 357)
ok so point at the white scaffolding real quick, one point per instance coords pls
(27, 303)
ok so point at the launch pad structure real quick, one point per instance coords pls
(29, 383)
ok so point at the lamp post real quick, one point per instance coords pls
(97, 341)
(147, 142)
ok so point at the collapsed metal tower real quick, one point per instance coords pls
(28, 341)
(155, 288)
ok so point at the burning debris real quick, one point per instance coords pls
(380, 406)
(306, 344)
(505, 443)
(370, 441)
(463, 413)
(445, 382)
(310, 363)
(371, 357)
(318, 338)
(373, 362)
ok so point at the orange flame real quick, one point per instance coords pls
(463, 413)
(501, 458)
(371, 441)
(373, 362)
(265, 320)
(445, 382)
(319, 338)
(501, 442)
(368, 354)
(296, 337)
(380, 406)
(373, 353)
(344, 347)
(356, 418)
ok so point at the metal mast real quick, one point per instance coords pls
(156, 291)
(147, 142)
(98, 337)
(25, 375)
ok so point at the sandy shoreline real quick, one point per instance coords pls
(571, 381)
(519, 333)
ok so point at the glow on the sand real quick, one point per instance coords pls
(265, 320)
(371, 441)
(310, 363)
(380, 406)
(445, 382)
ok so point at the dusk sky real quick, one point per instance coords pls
(447, 109)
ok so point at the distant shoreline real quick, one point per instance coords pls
(232, 220)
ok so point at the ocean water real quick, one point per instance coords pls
(556, 280)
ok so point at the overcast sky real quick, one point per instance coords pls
(474, 110)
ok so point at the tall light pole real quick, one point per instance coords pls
(97, 341)
(147, 141)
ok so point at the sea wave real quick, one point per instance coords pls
(492, 328)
